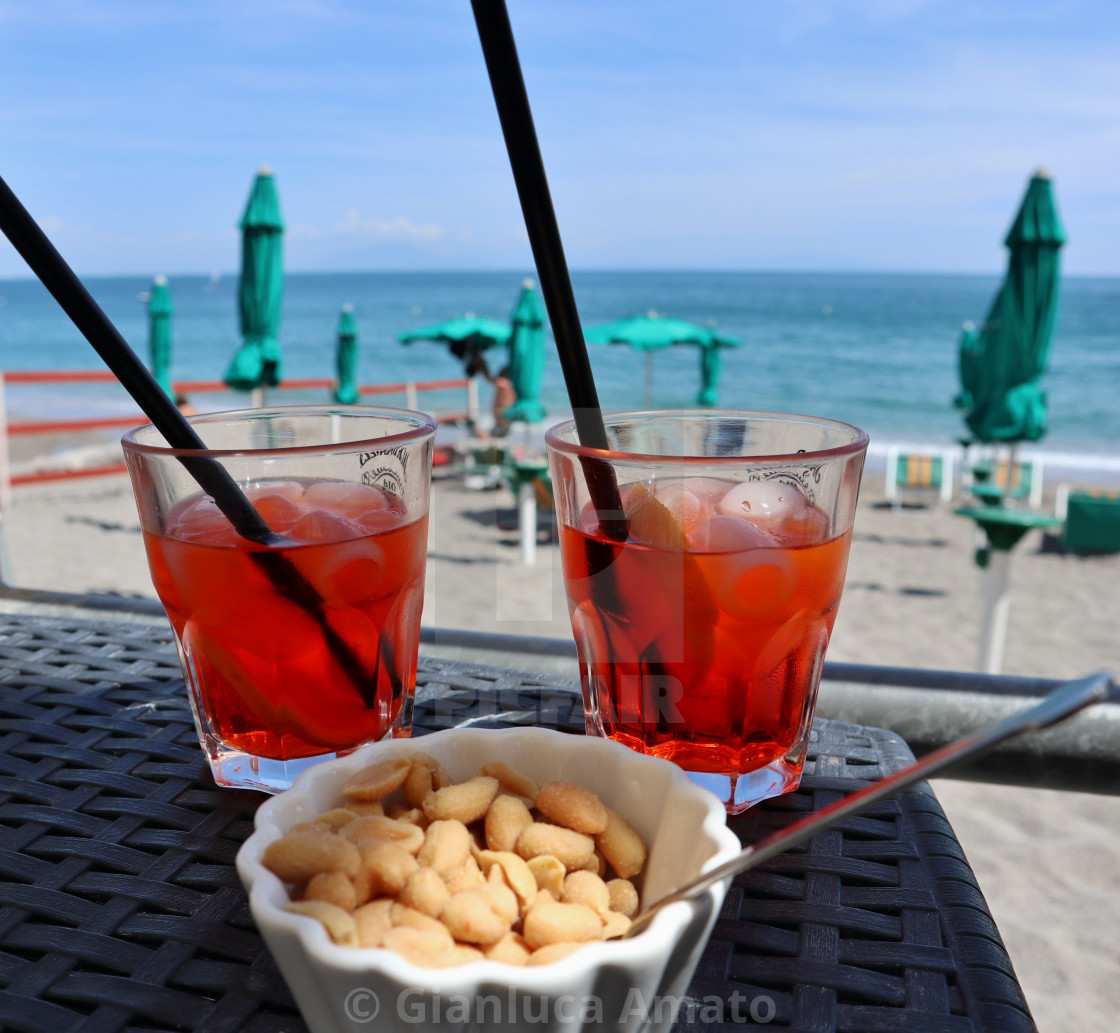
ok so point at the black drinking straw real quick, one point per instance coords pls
(508, 86)
(70, 293)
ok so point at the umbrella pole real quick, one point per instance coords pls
(527, 521)
(994, 588)
(472, 402)
(1012, 455)
(649, 380)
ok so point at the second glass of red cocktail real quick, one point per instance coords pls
(303, 645)
(702, 609)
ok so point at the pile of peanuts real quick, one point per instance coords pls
(445, 873)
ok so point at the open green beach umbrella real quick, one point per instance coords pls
(652, 331)
(346, 358)
(1011, 355)
(258, 362)
(526, 356)
(466, 336)
(159, 332)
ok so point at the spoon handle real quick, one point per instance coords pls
(1064, 701)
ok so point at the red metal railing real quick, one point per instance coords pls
(410, 389)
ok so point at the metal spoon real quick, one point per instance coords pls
(1057, 706)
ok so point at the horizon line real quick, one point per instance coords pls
(513, 271)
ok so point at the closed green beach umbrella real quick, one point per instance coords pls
(970, 368)
(465, 336)
(711, 366)
(526, 356)
(652, 331)
(258, 362)
(1001, 373)
(346, 358)
(1009, 404)
(159, 332)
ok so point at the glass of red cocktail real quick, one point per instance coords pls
(702, 611)
(303, 646)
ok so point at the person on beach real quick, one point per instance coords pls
(504, 393)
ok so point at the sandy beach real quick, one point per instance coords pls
(1046, 860)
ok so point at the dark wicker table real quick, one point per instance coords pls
(120, 908)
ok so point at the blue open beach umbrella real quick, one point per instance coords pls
(159, 332)
(258, 362)
(652, 331)
(526, 356)
(346, 358)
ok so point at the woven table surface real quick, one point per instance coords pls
(121, 910)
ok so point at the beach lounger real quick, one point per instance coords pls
(1091, 519)
(991, 481)
(924, 474)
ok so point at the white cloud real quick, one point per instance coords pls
(399, 228)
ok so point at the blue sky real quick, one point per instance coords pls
(723, 134)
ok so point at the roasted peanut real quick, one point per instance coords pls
(549, 874)
(373, 921)
(299, 857)
(511, 781)
(473, 916)
(548, 921)
(389, 867)
(378, 828)
(402, 915)
(364, 808)
(466, 877)
(573, 807)
(423, 947)
(582, 887)
(339, 924)
(596, 863)
(336, 817)
(615, 923)
(310, 828)
(460, 954)
(447, 845)
(333, 888)
(552, 952)
(515, 872)
(505, 819)
(465, 801)
(439, 777)
(511, 948)
(417, 783)
(572, 849)
(377, 780)
(425, 891)
(502, 900)
(363, 886)
(624, 897)
(621, 846)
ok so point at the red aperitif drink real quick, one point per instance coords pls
(708, 624)
(264, 677)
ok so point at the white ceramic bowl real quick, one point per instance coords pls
(605, 986)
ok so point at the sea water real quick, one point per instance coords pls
(877, 350)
